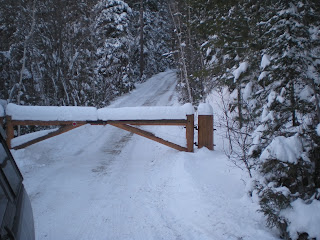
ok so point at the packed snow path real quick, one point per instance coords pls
(99, 182)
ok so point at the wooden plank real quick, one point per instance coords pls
(49, 135)
(149, 135)
(190, 132)
(9, 130)
(167, 122)
(205, 134)
(46, 123)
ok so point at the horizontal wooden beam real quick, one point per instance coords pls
(123, 124)
(149, 135)
(49, 135)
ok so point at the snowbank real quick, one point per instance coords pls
(303, 218)
(205, 109)
(49, 113)
(283, 149)
(145, 113)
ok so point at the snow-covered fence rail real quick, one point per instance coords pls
(125, 118)
(66, 117)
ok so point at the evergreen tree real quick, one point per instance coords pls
(47, 79)
(75, 57)
(113, 71)
(289, 115)
(274, 99)
(79, 55)
(8, 15)
(156, 37)
(20, 47)
(227, 30)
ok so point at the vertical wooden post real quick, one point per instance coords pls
(205, 126)
(10, 132)
(190, 132)
(1, 121)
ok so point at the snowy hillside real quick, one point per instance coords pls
(100, 182)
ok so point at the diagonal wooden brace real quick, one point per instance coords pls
(148, 135)
(49, 135)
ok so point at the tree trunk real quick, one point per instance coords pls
(141, 40)
(314, 88)
(293, 104)
(26, 42)
(25, 48)
(177, 25)
(240, 105)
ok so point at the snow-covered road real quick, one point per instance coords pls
(99, 182)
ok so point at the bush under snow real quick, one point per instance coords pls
(303, 218)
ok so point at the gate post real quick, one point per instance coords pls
(10, 131)
(205, 126)
(190, 132)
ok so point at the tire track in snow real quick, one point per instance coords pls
(118, 191)
(159, 90)
(128, 195)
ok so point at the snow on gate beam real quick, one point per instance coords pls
(167, 122)
(46, 123)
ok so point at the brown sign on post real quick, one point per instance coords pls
(205, 126)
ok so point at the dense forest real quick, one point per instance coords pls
(262, 57)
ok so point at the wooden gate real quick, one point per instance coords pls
(205, 136)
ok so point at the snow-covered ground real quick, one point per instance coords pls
(100, 182)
